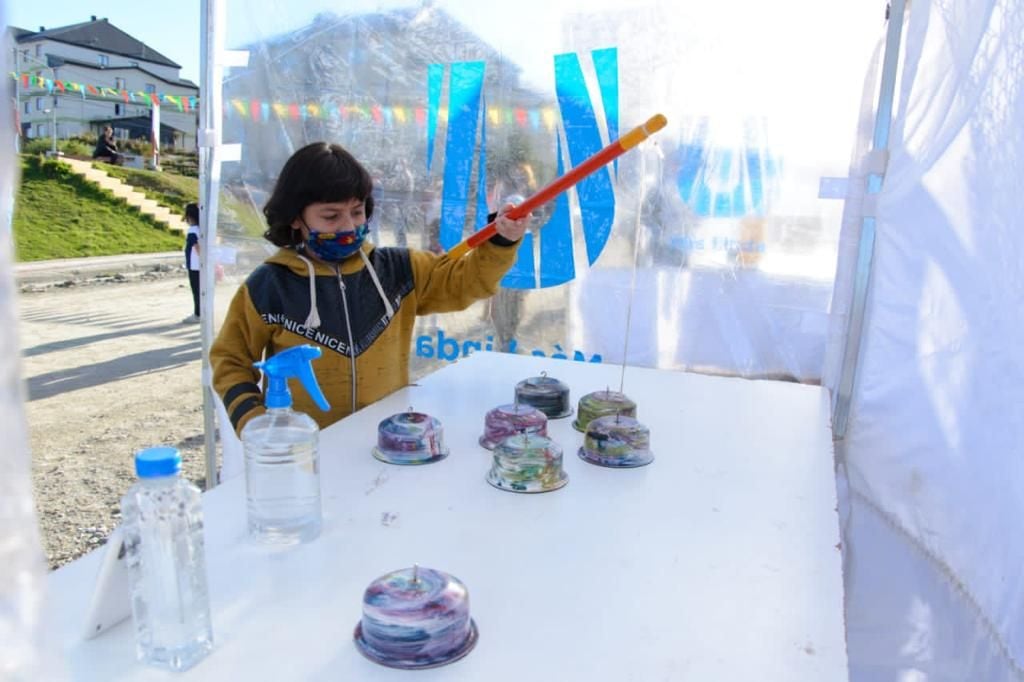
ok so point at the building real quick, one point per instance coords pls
(376, 61)
(101, 55)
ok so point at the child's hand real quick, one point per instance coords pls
(512, 230)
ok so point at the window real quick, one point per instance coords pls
(102, 60)
(150, 88)
(117, 110)
(41, 130)
(39, 103)
(56, 102)
(28, 107)
(39, 50)
(119, 84)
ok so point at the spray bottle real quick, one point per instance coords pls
(282, 465)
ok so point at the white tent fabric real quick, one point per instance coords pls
(934, 444)
(22, 571)
(930, 468)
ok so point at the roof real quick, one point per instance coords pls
(57, 61)
(397, 45)
(18, 33)
(101, 35)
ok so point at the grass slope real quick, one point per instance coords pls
(58, 214)
(175, 191)
(172, 191)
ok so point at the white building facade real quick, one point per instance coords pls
(98, 54)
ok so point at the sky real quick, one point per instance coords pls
(171, 28)
(727, 67)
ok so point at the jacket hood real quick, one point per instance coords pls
(290, 258)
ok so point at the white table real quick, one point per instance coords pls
(719, 561)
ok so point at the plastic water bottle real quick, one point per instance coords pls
(282, 465)
(163, 535)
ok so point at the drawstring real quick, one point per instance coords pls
(380, 290)
(313, 319)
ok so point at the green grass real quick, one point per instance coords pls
(172, 191)
(175, 191)
(58, 214)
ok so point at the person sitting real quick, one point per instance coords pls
(106, 148)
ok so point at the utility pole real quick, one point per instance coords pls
(17, 96)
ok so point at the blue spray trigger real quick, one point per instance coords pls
(292, 362)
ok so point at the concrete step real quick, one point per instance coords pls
(129, 194)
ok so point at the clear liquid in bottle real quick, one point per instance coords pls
(164, 553)
(282, 478)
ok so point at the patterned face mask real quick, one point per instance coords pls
(335, 247)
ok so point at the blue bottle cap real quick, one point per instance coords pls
(157, 462)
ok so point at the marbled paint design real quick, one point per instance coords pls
(527, 464)
(617, 441)
(509, 420)
(410, 438)
(547, 394)
(415, 618)
(601, 403)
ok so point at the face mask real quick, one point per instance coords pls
(335, 247)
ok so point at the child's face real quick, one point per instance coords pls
(340, 216)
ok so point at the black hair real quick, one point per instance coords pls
(317, 173)
(192, 214)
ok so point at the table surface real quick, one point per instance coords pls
(719, 561)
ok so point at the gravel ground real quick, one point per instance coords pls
(109, 369)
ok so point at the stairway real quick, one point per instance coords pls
(126, 192)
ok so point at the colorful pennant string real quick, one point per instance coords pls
(261, 111)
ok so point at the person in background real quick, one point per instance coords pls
(106, 147)
(192, 259)
(328, 287)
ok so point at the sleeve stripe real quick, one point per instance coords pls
(243, 409)
(238, 390)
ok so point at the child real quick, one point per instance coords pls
(328, 287)
(192, 259)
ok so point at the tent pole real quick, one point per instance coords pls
(866, 249)
(211, 48)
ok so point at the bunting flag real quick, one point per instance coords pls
(260, 111)
(31, 81)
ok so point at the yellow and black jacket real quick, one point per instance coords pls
(361, 314)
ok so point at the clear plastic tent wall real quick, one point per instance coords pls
(933, 453)
(714, 243)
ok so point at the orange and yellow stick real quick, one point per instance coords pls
(559, 185)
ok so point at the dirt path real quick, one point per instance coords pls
(109, 369)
